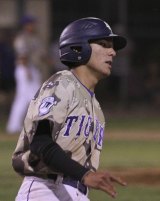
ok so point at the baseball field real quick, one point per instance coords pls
(131, 150)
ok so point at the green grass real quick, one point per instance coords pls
(129, 193)
(134, 123)
(116, 153)
(128, 153)
(9, 180)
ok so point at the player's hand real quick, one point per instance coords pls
(103, 180)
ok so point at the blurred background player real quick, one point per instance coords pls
(30, 66)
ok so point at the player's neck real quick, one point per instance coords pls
(85, 77)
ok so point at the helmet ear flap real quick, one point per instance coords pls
(75, 54)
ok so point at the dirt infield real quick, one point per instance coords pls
(147, 176)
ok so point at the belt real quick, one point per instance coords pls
(71, 182)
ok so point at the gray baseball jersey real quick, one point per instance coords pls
(77, 123)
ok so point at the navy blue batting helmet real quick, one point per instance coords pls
(74, 41)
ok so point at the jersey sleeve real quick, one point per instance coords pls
(51, 103)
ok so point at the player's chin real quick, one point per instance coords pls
(104, 72)
(107, 72)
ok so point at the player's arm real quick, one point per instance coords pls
(53, 155)
(56, 158)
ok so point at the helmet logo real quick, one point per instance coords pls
(107, 25)
(89, 25)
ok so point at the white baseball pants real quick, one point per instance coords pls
(38, 189)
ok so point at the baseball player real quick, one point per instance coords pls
(29, 52)
(59, 147)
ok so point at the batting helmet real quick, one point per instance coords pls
(74, 40)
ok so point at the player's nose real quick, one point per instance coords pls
(112, 52)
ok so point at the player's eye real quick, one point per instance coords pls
(103, 44)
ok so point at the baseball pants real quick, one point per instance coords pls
(38, 189)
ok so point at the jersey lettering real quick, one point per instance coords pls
(80, 125)
(69, 122)
(100, 136)
(98, 131)
(88, 126)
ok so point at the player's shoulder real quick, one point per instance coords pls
(56, 91)
(60, 83)
(62, 78)
(62, 75)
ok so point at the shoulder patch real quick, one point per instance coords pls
(51, 84)
(46, 105)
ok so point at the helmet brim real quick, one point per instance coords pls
(119, 42)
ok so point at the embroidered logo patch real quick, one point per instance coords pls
(46, 105)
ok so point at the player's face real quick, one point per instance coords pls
(101, 57)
